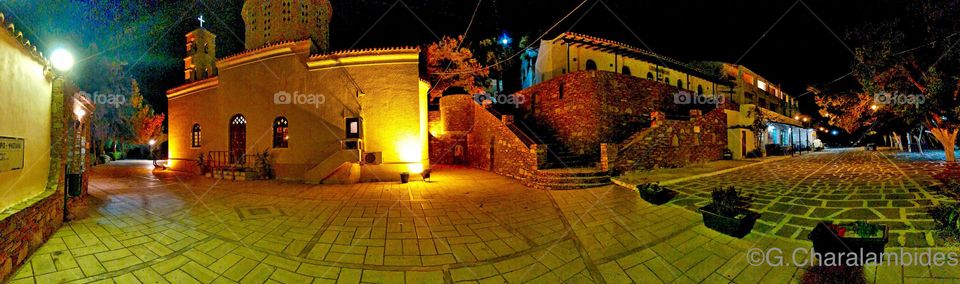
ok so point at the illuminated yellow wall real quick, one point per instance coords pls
(392, 105)
(25, 97)
(553, 62)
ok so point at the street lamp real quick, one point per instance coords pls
(62, 60)
(505, 39)
(874, 107)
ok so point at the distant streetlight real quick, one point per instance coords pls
(797, 117)
(505, 40)
(152, 142)
(62, 60)
(874, 107)
(834, 132)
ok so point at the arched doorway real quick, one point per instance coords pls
(591, 65)
(238, 138)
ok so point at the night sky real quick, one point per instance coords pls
(798, 50)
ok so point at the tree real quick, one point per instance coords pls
(451, 65)
(144, 125)
(913, 54)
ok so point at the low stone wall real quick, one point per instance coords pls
(23, 232)
(494, 147)
(674, 143)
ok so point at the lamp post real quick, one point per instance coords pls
(62, 61)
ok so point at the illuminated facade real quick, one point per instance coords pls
(335, 117)
(571, 52)
(785, 128)
(752, 88)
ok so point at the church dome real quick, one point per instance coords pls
(273, 21)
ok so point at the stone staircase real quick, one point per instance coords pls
(558, 155)
(569, 178)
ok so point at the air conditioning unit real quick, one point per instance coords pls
(373, 158)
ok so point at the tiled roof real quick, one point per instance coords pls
(773, 116)
(23, 41)
(262, 48)
(365, 51)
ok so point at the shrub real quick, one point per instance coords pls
(864, 229)
(727, 201)
(947, 217)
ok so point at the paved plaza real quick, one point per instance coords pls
(473, 226)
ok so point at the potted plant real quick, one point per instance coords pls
(654, 193)
(851, 237)
(728, 213)
(262, 165)
(202, 165)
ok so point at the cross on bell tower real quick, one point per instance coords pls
(201, 59)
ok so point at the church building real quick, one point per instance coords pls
(323, 116)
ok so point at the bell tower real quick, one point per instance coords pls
(201, 59)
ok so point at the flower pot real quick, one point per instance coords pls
(404, 177)
(656, 197)
(827, 240)
(737, 226)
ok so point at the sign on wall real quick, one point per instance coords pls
(11, 153)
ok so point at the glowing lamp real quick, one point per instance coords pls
(152, 142)
(796, 117)
(61, 59)
(874, 107)
(505, 39)
(79, 111)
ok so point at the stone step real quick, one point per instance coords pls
(571, 172)
(568, 186)
(571, 179)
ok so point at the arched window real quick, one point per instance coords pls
(699, 89)
(626, 70)
(591, 65)
(666, 80)
(680, 84)
(195, 136)
(649, 75)
(280, 132)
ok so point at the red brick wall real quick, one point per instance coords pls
(25, 231)
(674, 143)
(595, 107)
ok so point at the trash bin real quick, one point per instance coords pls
(74, 184)
(871, 147)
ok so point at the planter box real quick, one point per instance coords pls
(739, 226)
(826, 240)
(656, 197)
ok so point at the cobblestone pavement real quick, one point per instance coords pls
(839, 185)
(466, 226)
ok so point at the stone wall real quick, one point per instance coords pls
(587, 108)
(674, 143)
(485, 140)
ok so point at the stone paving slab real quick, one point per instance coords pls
(466, 226)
